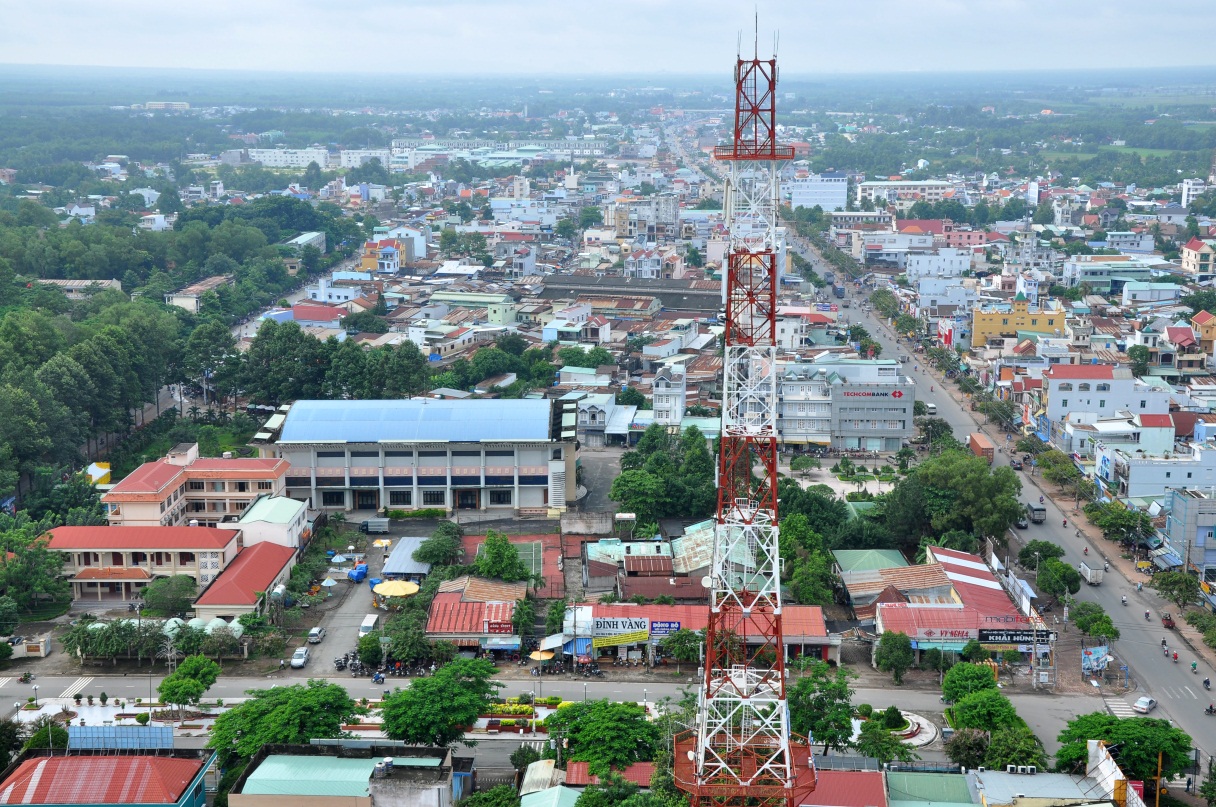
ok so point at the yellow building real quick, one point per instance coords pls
(1005, 320)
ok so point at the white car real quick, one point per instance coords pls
(300, 657)
(316, 635)
(1144, 705)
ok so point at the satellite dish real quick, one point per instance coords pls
(692, 755)
(705, 581)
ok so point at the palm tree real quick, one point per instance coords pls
(195, 412)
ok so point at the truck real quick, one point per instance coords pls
(981, 446)
(838, 290)
(1092, 576)
(1036, 513)
(829, 278)
(374, 526)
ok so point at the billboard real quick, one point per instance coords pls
(1015, 636)
(1095, 659)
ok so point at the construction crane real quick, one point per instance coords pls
(741, 751)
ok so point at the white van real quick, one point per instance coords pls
(930, 408)
(368, 625)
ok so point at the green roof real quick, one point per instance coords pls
(558, 796)
(857, 508)
(287, 775)
(274, 509)
(868, 560)
(927, 787)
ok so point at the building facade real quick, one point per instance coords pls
(845, 404)
(828, 192)
(1005, 320)
(476, 454)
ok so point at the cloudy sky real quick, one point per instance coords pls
(487, 37)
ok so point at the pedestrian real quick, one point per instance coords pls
(282, 665)
(1189, 782)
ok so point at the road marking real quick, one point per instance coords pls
(76, 688)
(1119, 708)
(5, 681)
(536, 745)
(1191, 692)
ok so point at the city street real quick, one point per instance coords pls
(1180, 693)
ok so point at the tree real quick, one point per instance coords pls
(12, 734)
(438, 709)
(290, 715)
(974, 651)
(683, 645)
(590, 217)
(694, 258)
(1014, 745)
(566, 228)
(555, 616)
(894, 655)
(1133, 742)
(987, 709)
(497, 796)
(523, 756)
(605, 733)
(170, 596)
(199, 668)
(180, 691)
(46, 734)
(612, 791)
(964, 679)
(875, 741)
(1138, 356)
(8, 615)
(523, 620)
(1180, 588)
(1057, 579)
(499, 559)
(1035, 552)
(968, 747)
(443, 548)
(820, 707)
(631, 397)
(371, 652)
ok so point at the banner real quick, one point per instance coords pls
(658, 628)
(1095, 659)
(1016, 636)
(635, 637)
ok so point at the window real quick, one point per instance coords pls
(500, 497)
(432, 453)
(557, 453)
(1143, 404)
(217, 487)
(1064, 402)
(1034, 322)
(434, 498)
(1065, 387)
(332, 454)
(242, 487)
(1083, 387)
(185, 557)
(196, 484)
(1104, 388)
(399, 453)
(1167, 474)
(401, 498)
(501, 453)
(1101, 403)
(466, 453)
(365, 454)
(333, 498)
(1004, 322)
(265, 486)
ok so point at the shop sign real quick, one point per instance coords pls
(946, 633)
(658, 628)
(609, 625)
(635, 637)
(1016, 636)
(860, 394)
(499, 627)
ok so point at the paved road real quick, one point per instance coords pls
(1180, 692)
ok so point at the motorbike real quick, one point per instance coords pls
(1125, 600)
(1146, 616)
(378, 678)
(1085, 551)
(1211, 710)
(26, 677)
(1175, 658)
(1106, 566)
(339, 663)
(1207, 683)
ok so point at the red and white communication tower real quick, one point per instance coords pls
(741, 751)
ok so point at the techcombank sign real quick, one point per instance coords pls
(864, 394)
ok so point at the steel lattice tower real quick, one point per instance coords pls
(741, 751)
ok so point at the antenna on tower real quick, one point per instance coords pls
(756, 34)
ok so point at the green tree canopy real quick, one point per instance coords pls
(874, 740)
(499, 559)
(290, 715)
(1133, 742)
(820, 706)
(894, 654)
(964, 679)
(985, 709)
(438, 709)
(1180, 588)
(169, 596)
(604, 733)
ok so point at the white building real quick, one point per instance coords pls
(670, 396)
(942, 263)
(290, 158)
(1087, 393)
(1140, 243)
(845, 403)
(1192, 188)
(1123, 473)
(829, 192)
(1149, 434)
(353, 158)
(904, 193)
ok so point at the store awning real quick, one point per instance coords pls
(553, 642)
(1165, 558)
(581, 646)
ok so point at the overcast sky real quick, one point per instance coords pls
(487, 37)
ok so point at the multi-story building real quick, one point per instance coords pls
(1199, 258)
(1006, 320)
(184, 487)
(290, 158)
(1085, 393)
(845, 403)
(952, 263)
(115, 563)
(475, 454)
(828, 192)
(670, 396)
(904, 193)
(1204, 325)
(1191, 189)
(890, 248)
(1126, 241)
(353, 158)
(1126, 474)
(853, 219)
(1105, 274)
(384, 257)
(1190, 529)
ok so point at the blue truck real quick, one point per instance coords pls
(838, 290)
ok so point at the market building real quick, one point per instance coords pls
(516, 457)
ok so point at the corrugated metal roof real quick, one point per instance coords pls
(856, 560)
(648, 565)
(401, 561)
(127, 779)
(479, 589)
(848, 789)
(927, 787)
(284, 775)
(538, 776)
(551, 797)
(458, 421)
(579, 773)
(272, 509)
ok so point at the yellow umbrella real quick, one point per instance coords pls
(396, 588)
(541, 655)
(379, 542)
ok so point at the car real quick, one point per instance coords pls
(1021, 523)
(1144, 705)
(316, 635)
(300, 657)
(1015, 465)
(902, 357)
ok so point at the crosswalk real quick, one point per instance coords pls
(536, 745)
(76, 687)
(5, 681)
(1119, 708)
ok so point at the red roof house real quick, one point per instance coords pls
(578, 774)
(257, 569)
(120, 779)
(848, 789)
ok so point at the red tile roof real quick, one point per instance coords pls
(796, 620)
(935, 226)
(99, 780)
(1182, 337)
(450, 615)
(578, 774)
(1157, 421)
(973, 581)
(151, 477)
(1072, 371)
(112, 573)
(254, 569)
(911, 620)
(66, 539)
(848, 789)
(1203, 317)
(317, 313)
(1195, 244)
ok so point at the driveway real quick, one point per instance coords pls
(600, 467)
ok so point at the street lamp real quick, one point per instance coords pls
(35, 696)
(584, 693)
(645, 701)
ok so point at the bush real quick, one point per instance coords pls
(931, 659)
(142, 718)
(507, 723)
(429, 512)
(892, 718)
(865, 710)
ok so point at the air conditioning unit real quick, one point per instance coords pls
(1011, 769)
(1022, 769)
(981, 769)
(1032, 769)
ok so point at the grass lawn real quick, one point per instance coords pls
(1143, 152)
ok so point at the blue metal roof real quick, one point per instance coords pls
(416, 421)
